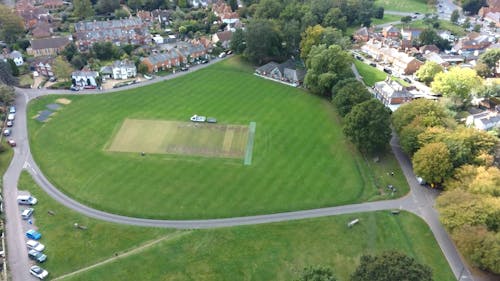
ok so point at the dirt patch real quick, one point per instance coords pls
(63, 101)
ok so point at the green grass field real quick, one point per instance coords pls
(278, 251)
(68, 248)
(300, 159)
(370, 74)
(171, 137)
(457, 30)
(386, 19)
(410, 6)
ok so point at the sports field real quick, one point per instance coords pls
(171, 137)
(260, 252)
(300, 158)
(410, 6)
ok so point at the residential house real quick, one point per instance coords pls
(410, 34)
(84, 78)
(31, 15)
(437, 58)
(162, 16)
(123, 31)
(288, 72)
(162, 61)
(401, 62)
(223, 37)
(17, 57)
(485, 120)
(429, 49)
(191, 50)
(362, 35)
(391, 32)
(222, 10)
(123, 69)
(446, 35)
(391, 93)
(492, 6)
(43, 66)
(493, 17)
(42, 30)
(47, 46)
(469, 44)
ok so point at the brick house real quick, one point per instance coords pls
(391, 93)
(163, 61)
(391, 32)
(47, 46)
(401, 62)
(43, 65)
(223, 37)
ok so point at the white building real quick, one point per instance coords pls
(123, 70)
(84, 78)
(485, 120)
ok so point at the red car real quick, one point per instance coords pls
(12, 143)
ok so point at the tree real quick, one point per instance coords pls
(121, 13)
(6, 76)
(7, 95)
(142, 68)
(233, 4)
(368, 126)
(378, 13)
(317, 273)
(335, 18)
(408, 137)
(490, 58)
(473, 6)
(488, 91)
(475, 179)
(237, 43)
(69, 51)
(406, 19)
(457, 84)
(326, 67)
(11, 25)
(78, 62)
(263, 41)
(62, 69)
(432, 162)
(268, 9)
(311, 37)
(107, 6)
(134, 4)
(82, 9)
(390, 266)
(349, 95)
(428, 113)
(455, 15)
(13, 67)
(427, 71)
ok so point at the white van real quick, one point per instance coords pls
(26, 200)
(11, 117)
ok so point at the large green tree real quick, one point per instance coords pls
(349, 95)
(11, 25)
(433, 163)
(7, 95)
(490, 58)
(317, 273)
(6, 76)
(428, 71)
(107, 6)
(62, 69)
(473, 6)
(82, 9)
(391, 266)
(326, 66)
(263, 41)
(317, 35)
(237, 43)
(428, 113)
(368, 126)
(457, 84)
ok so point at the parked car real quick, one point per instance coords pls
(26, 200)
(387, 70)
(221, 55)
(52, 79)
(11, 116)
(38, 272)
(12, 109)
(35, 245)
(229, 52)
(407, 80)
(205, 61)
(33, 234)
(184, 68)
(37, 256)
(26, 214)
(373, 64)
(12, 143)
(10, 123)
(74, 88)
(7, 132)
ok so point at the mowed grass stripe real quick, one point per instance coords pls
(299, 161)
(249, 150)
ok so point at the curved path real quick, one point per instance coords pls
(420, 201)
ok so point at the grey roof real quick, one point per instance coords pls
(15, 54)
(49, 43)
(267, 68)
(85, 73)
(109, 24)
(123, 63)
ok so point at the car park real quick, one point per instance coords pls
(10, 123)
(27, 213)
(35, 245)
(33, 234)
(37, 256)
(26, 200)
(38, 272)
(12, 143)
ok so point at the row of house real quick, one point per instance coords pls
(401, 62)
(175, 55)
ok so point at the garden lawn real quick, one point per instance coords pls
(301, 160)
(386, 19)
(410, 6)
(370, 74)
(278, 251)
(68, 248)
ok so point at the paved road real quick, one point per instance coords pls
(420, 201)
